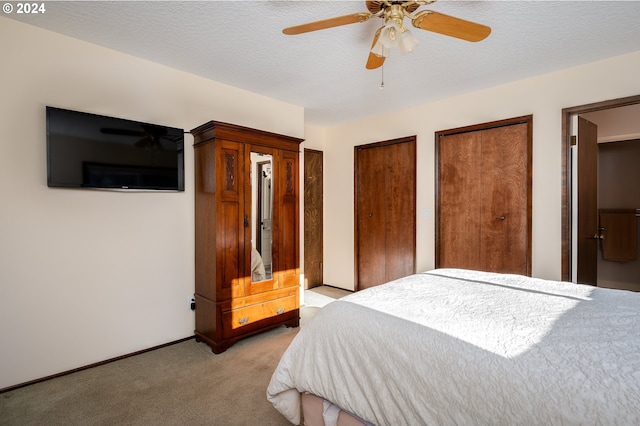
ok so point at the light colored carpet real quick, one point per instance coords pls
(181, 384)
(320, 296)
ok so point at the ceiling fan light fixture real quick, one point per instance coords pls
(390, 35)
(408, 42)
(393, 34)
(380, 49)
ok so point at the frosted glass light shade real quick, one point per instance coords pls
(380, 50)
(393, 35)
(407, 42)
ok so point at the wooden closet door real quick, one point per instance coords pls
(505, 207)
(370, 221)
(400, 218)
(460, 201)
(313, 218)
(484, 197)
(385, 211)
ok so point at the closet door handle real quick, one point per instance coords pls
(246, 221)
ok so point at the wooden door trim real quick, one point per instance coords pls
(525, 119)
(567, 114)
(406, 139)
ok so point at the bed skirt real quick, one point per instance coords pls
(317, 411)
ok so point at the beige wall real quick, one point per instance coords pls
(544, 97)
(90, 275)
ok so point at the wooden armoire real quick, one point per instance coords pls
(246, 232)
(483, 197)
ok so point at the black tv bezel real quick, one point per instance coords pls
(180, 187)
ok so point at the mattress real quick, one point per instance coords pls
(466, 347)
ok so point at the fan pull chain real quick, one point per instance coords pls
(382, 78)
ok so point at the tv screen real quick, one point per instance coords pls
(94, 151)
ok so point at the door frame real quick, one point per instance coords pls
(567, 170)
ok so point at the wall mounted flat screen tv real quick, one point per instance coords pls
(94, 151)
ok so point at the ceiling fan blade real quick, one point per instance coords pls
(450, 26)
(374, 60)
(328, 23)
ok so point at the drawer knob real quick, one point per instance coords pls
(243, 320)
(280, 311)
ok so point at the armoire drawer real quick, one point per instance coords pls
(242, 318)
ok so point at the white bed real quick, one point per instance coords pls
(465, 347)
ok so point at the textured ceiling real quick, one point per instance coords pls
(240, 43)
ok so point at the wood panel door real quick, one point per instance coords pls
(385, 208)
(483, 197)
(587, 187)
(459, 200)
(506, 212)
(313, 218)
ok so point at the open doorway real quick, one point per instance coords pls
(617, 149)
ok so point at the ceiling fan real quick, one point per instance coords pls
(393, 33)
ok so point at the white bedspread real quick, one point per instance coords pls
(465, 347)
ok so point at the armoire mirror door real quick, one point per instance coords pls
(260, 226)
(264, 213)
